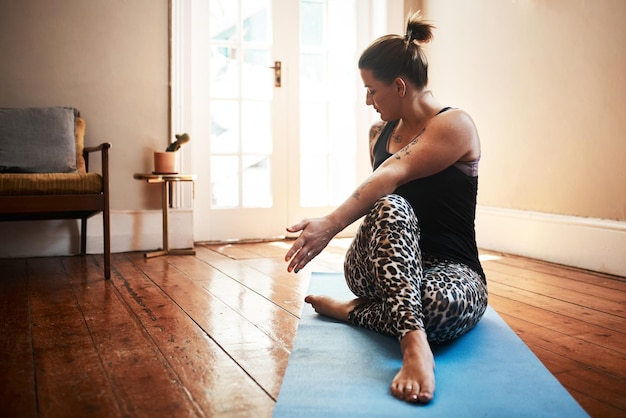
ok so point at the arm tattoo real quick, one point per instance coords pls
(357, 193)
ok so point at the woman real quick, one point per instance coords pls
(413, 264)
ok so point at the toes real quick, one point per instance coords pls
(411, 393)
(424, 397)
(408, 392)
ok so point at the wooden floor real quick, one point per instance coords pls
(210, 335)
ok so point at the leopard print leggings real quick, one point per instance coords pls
(405, 289)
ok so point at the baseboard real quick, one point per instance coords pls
(142, 230)
(588, 243)
(130, 231)
(593, 244)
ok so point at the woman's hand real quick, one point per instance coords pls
(315, 236)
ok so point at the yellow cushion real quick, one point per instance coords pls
(80, 144)
(12, 184)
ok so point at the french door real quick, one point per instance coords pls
(276, 111)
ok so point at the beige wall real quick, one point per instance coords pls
(107, 58)
(544, 82)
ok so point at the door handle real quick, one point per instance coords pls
(277, 73)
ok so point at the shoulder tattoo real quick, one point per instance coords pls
(406, 150)
(375, 131)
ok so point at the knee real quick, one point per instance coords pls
(393, 201)
(392, 207)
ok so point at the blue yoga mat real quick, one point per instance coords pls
(338, 370)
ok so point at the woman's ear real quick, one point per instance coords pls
(400, 86)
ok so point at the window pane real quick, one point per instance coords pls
(224, 126)
(224, 182)
(313, 76)
(314, 181)
(257, 190)
(256, 127)
(224, 73)
(311, 22)
(257, 78)
(223, 20)
(313, 129)
(328, 80)
(255, 20)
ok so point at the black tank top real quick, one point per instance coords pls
(445, 206)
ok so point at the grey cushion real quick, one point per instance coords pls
(38, 140)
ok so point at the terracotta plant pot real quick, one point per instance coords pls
(165, 163)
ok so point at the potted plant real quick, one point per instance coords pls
(165, 162)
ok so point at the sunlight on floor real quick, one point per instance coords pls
(489, 257)
(281, 244)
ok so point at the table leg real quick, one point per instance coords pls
(165, 205)
(165, 218)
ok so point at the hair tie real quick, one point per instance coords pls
(409, 35)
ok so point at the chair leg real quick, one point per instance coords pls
(106, 225)
(83, 236)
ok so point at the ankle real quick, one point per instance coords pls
(415, 343)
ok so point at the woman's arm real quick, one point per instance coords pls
(444, 142)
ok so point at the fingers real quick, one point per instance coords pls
(297, 245)
(300, 260)
(297, 227)
(314, 236)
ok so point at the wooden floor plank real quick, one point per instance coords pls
(606, 386)
(525, 267)
(199, 363)
(258, 306)
(560, 288)
(591, 315)
(570, 347)
(597, 408)
(210, 335)
(133, 362)
(262, 357)
(564, 324)
(66, 359)
(279, 287)
(17, 385)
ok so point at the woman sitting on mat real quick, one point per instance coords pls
(413, 264)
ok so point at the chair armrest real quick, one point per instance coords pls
(104, 149)
(104, 145)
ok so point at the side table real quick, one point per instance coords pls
(166, 180)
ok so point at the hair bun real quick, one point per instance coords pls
(417, 29)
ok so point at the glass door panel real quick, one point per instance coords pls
(240, 103)
(327, 102)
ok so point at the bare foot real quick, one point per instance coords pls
(333, 308)
(415, 382)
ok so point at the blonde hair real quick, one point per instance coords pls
(392, 56)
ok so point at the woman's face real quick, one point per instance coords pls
(383, 97)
